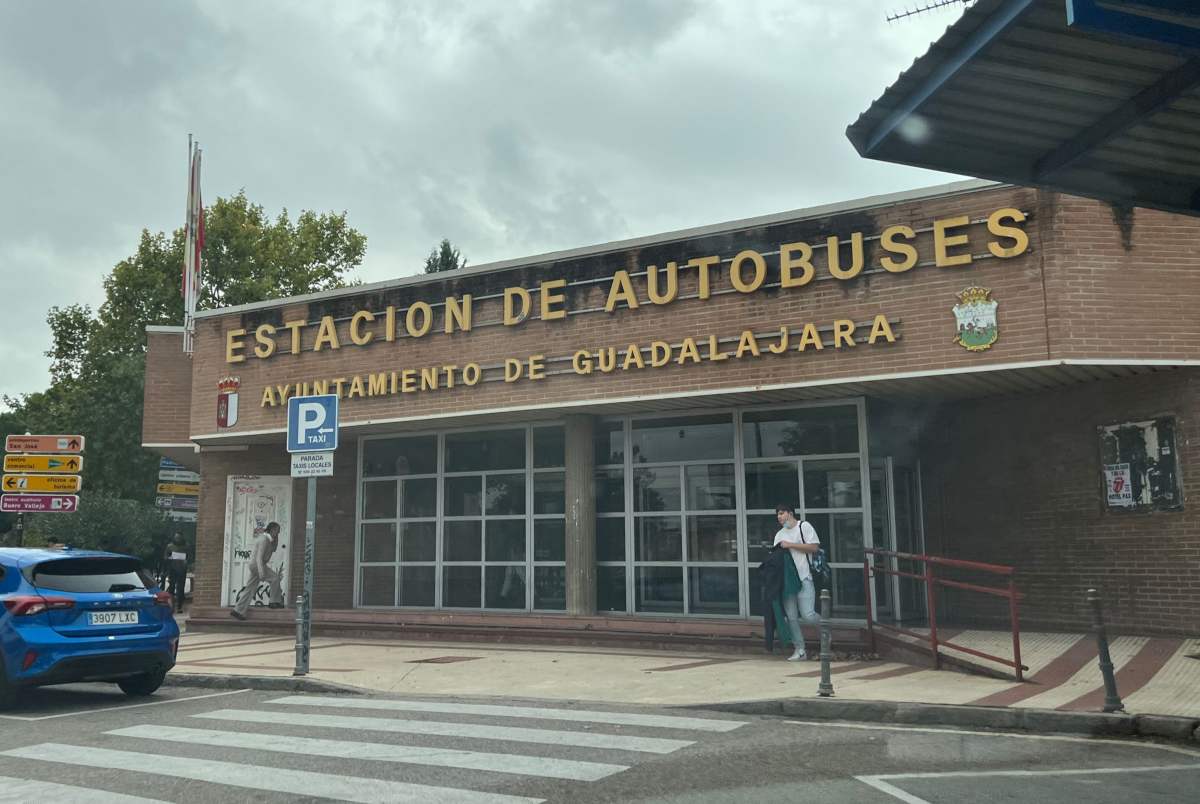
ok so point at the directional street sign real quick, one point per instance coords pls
(178, 488)
(178, 476)
(182, 516)
(167, 463)
(177, 503)
(312, 423)
(39, 503)
(43, 443)
(59, 464)
(23, 483)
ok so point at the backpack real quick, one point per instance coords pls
(818, 565)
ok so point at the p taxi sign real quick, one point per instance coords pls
(312, 424)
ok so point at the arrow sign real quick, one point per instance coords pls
(177, 488)
(43, 443)
(43, 463)
(42, 483)
(39, 503)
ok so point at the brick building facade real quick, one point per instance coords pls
(813, 356)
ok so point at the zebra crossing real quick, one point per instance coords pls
(356, 749)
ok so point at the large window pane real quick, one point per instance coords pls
(832, 484)
(418, 541)
(506, 540)
(656, 489)
(418, 498)
(550, 588)
(417, 586)
(806, 431)
(505, 494)
(610, 491)
(712, 538)
(658, 589)
(549, 540)
(549, 447)
(460, 587)
(713, 590)
(378, 542)
(848, 596)
(379, 499)
(760, 535)
(609, 441)
(771, 484)
(549, 494)
(378, 586)
(693, 438)
(473, 452)
(610, 589)
(658, 539)
(505, 587)
(756, 602)
(610, 538)
(400, 456)
(462, 541)
(711, 488)
(846, 540)
(464, 495)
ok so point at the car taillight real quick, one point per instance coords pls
(28, 605)
(164, 599)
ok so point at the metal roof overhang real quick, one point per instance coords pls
(1095, 98)
(943, 385)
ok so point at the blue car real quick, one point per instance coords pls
(82, 615)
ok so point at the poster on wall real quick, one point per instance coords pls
(1119, 481)
(251, 503)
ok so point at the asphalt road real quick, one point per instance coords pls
(88, 743)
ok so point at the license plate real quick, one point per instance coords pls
(113, 617)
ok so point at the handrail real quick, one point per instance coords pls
(932, 582)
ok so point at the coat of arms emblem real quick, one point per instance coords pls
(976, 317)
(227, 401)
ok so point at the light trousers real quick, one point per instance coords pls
(801, 606)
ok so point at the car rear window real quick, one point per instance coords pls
(90, 575)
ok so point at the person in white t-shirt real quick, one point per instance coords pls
(800, 538)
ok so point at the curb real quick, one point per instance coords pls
(1094, 724)
(269, 683)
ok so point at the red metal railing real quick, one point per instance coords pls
(932, 582)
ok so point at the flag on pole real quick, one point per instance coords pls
(193, 244)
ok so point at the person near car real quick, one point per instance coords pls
(800, 539)
(175, 564)
(264, 547)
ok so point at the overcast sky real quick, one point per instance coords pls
(512, 127)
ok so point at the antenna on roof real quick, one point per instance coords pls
(933, 5)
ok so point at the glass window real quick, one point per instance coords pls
(506, 540)
(418, 541)
(658, 538)
(549, 447)
(378, 542)
(609, 440)
(711, 488)
(832, 484)
(384, 457)
(475, 452)
(769, 484)
(694, 438)
(464, 495)
(379, 500)
(550, 588)
(462, 541)
(505, 495)
(659, 589)
(713, 590)
(549, 493)
(848, 597)
(460, 587)
(760, 535)
(417, 586)
(806, 431)
(712, 538)
(418, 497)
(610, 588)
(845, 540)
(610, 491)
(505, 587)
(549, 540)
(656, 489)
(610, 538)
(378, 586)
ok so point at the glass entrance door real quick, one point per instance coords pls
(897, 525)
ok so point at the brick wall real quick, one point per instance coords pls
(167, 398)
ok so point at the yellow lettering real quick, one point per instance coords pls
(735, 271)
(472, 374)
(449, 372)
(357, 336)
(425, 313)
(327, 334)
(713, 354)
(789, 262)
(672, 291)
(782, 346)
(268, 398)
(888, 242)
(606, 359)
(581, 361)
(408, 381)
(338, 383)
(389, 324)
(512, 369)
(537, 367)
(458, 313)
(843, 330)
(702, 264)
(633, 357)
(660, 354)
(377, 384)
(549, 300)
(996, 227)
(833, 251)
(511, 317)
(234, 345)
(747, 343)
(688, 351)
(320, 386)
(295, 327)
(283, 391)
(266, 342)
(881, 328)
(943, 242)
(429, 378)
(356, 387)
(810, 337)
(621, 290)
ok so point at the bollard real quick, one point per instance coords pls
(825, 688)
(1112, 701)
(301, 647)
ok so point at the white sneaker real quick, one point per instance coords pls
(798, 656)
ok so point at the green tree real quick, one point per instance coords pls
(105, 523)
(444, 258)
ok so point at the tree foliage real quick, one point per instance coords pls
(444, 258)
(105, 523)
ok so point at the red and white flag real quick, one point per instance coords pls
(193, 244)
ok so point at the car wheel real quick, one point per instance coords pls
(145, 684)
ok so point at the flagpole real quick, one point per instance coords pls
(186, 287)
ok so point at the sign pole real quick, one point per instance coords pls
(20, 530)
(304, 618)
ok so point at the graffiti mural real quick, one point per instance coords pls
(250, 503)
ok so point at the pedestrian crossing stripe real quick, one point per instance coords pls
(548, 767)
(614, 742)
(535, 713)
(21, 790)
(260, 778)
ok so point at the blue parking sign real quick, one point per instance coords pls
(312, 423)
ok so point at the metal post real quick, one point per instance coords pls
(304, 616)
(867, 587)
(20, 528)
(1112, 701)
(1015, 617)
(825, 688)
(931, 602)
